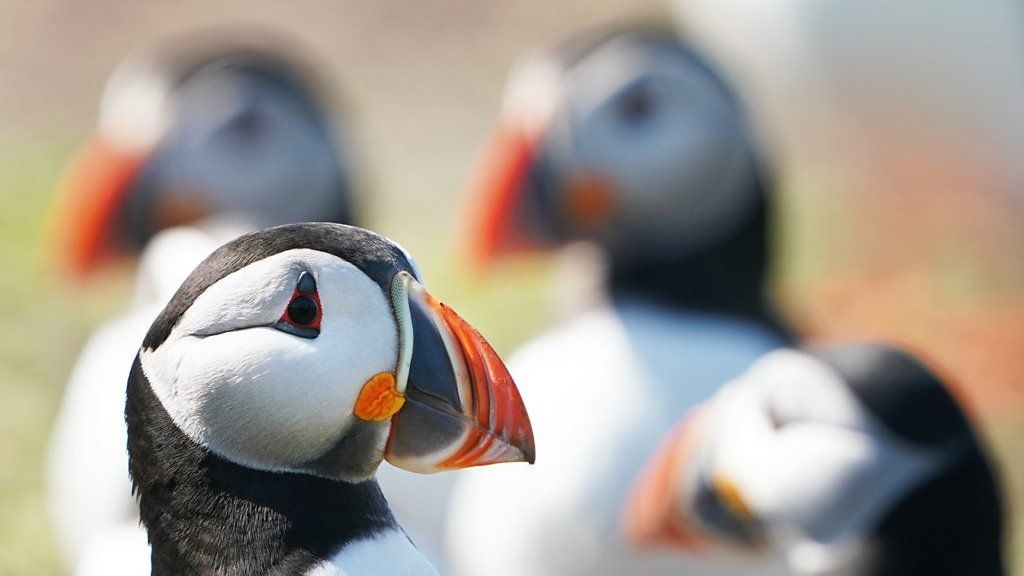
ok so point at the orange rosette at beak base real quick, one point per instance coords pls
(83, 221)
(590, 202)
(379, 398)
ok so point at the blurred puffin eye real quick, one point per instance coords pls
(303, 315)
(638, 103)
(247, 125)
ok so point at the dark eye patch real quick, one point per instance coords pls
(638, 103)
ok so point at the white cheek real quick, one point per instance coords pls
(261, 396)
(256, 295)
(271, 400)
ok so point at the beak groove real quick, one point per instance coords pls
(504, 433)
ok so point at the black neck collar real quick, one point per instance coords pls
(206, 515)
(727, 278)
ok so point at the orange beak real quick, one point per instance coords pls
(659, 511)
(499, 218)
(461, 407)
(497, 194)
(83, 222)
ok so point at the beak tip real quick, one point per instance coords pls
(530, 455)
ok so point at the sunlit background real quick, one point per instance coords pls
(901, 216)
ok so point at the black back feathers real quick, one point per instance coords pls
(952, 524)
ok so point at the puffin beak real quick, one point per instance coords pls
(461, 407)
(515, 202)
(659, 509)
(83, 220)
(497, 197)
(677, 503)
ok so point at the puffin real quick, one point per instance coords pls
(629, 140)
(200, 139)
(203, 124)
(851, 459)
(289, 364)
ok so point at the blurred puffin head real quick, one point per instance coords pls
(313, 348)
(847, 460)
(202, 127)
(627, 138)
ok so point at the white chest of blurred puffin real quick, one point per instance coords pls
(267, 392)
(848, 460)
(627, 139)
(199, 141)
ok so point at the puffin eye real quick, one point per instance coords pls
(638, 104)
(247, 126)
(303, 314)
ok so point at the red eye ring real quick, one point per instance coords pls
(304, 312)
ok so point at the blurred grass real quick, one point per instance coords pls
(40, 333)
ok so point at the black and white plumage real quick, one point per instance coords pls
(630, 140)
(203, 126)
(199, 140)
(850, 459)
(257, 418)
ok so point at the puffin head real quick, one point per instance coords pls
(845, 459)
(314, 349)
(624, 137)
(200, 128)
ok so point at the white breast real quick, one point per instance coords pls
(88, 487)
(390, 553)
(601, 393)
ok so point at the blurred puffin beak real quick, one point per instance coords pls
(674, 504)
(509, 208)
(460, 406)
(497, 195)
(91, 198)
(658, 511)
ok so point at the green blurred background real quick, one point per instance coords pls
(422, 83)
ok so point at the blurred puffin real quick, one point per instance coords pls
(200, 127)
(288, 365)
(198, 141)
(849, 459)
(629, 139)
